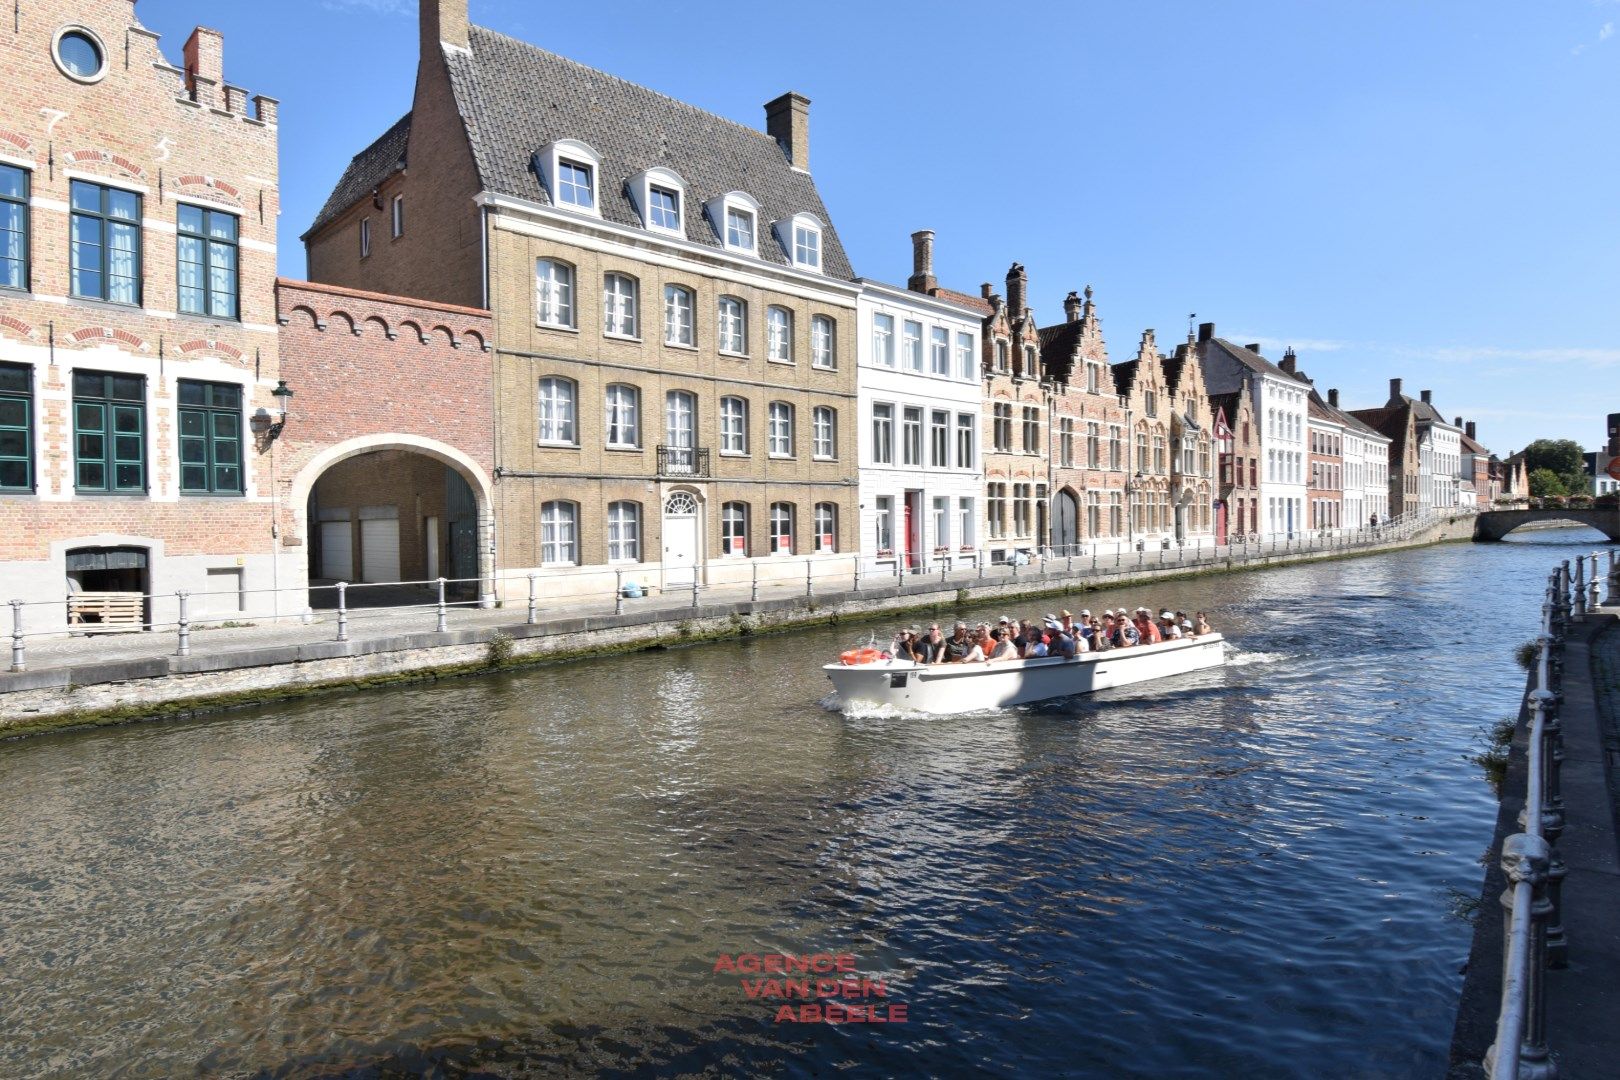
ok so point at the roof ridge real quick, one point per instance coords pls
(739, 125)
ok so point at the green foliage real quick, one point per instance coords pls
(1561, 456)
(1545, 483)
(499, 650)
(1526, 653)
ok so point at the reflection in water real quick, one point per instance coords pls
(1231, 873)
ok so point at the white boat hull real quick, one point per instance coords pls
(955, 688)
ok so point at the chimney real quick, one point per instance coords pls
(1290, 363)
(1428, 397)
(1333, 397)
(787, 120)
(1071, 307)
(984, 290)
(1206, 331)
(444, 22)
(1017, 290)
(1254, 348)
(1394, 391)
(1468, 429)
(922, 262)
(1459, 422)
(205, 66)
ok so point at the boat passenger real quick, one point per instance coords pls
(1202, 625)
(1187, 630)
(1125, 634)
(933, 645)
(1067, 620)
(1146, 632)
(976, 652)
(1002, 647)
(1036, 648)
(905, 646)
(1168, 629)
(958, 645)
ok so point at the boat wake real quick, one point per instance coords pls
(1236, 657)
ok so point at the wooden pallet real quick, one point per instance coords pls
(106, 612)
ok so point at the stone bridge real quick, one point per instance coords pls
(1495, 524)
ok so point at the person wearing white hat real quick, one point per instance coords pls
(1187, 629)
(1168, 627)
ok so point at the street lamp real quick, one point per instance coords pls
(263, 424)
(1133, 486)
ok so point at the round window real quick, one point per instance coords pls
(80, 55)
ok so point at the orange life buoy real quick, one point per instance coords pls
(854, 657)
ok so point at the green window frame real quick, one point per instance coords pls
(16, 427)
(210, 438)
(207, 263)
(109, 433)
(105, 248)
(13, 227)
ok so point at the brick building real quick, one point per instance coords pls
(1142, 388)
(1237, 511)
(673, 313)
(1396, 420)
(1192, 463)
(138, 343)
(387, 458)
(1089, 454)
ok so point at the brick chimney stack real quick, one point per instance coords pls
(1071, 307)
(985, 290)
(1333, 397)
(1206, 331)
(922, 262)
(1428, 397)
(1394, 391)
(1468, 429)
(205, 66)
(1614, 434)
(1253, 347)
(1459, 422)
(787, 120)
(1017, 290)
(1290, 363)
(444, 22)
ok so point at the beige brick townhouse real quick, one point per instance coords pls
(673, 313)
(138, 334)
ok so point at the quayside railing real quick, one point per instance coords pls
(590, 590)
(1533, 937)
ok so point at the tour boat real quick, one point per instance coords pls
(955, 688)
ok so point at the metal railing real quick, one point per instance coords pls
(576, 591)
(683, 461)
(1533, 937)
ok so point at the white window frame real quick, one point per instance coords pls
(679, 316)
(779, 429)
(883, 525)
(624, 413)
(912, 424)
(642, 186)
(621, 307)
(883, 433)
(731, 325)
(803, 240)
(939, 351)
(911, 346)
(396, 216)
(557, 411)
(557, 516)
(825, 516)
(966, 366)
(365, 238)
(734, 425)
(824, 433)
(554, 294)
(779, 334)
(721, 207)
(551, 159)
(782, 539)
(883, 339)
(617, 527)
(967, 434)
(824, 342)
(733, 527)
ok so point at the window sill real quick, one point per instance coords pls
(629, 338)
(556, 327)
(679, 345)
(106, 305)
(727, 353)
(823, 367)
(193, 317)
(823, 457)
(213, 494)
(557, 446)
(616, 449)
(781, 457)
(131, 495)
(779, 360)
(559, 566)
(734, 453)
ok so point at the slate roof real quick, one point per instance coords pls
(1248, 358)
(516, 98)
(1057, 347)
(1125, 375)
(967, 300)
(368, 169)
(1472, 446)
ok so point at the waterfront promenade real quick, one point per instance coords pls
(1582, 988)
(79, 679)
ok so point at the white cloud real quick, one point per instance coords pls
(1437, 354)
(1607, 31)
(375, 7)
(1299, 345)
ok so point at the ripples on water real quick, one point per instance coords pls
(1242, 872)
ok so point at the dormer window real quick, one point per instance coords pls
(800, 236)
(739, 229)
(736, 220)
(574, 186)
(570, 170)
(660, 196)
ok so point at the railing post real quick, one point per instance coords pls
(343, 611)
(694, 588)
(978, 559)
(18, 660)
(184, 625)
(443, 615)
(1520, 1052)
(809, 588)
(1545, 702)
(857, 573)
(753, 588)
(1579, 600)
(1614, 580)
(534, 603)
(618, 592)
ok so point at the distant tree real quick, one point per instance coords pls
(1545, 482)
(1561, 456)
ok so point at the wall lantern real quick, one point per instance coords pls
(267, 427)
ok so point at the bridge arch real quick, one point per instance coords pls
(1493, 525)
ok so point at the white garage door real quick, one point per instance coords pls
(379, 549)
(337, 551)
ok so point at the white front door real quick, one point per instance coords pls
(680, 539)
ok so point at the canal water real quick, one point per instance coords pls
(1247, 872)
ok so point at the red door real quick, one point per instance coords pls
(907, 555)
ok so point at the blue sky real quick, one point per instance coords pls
(1422, 190)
